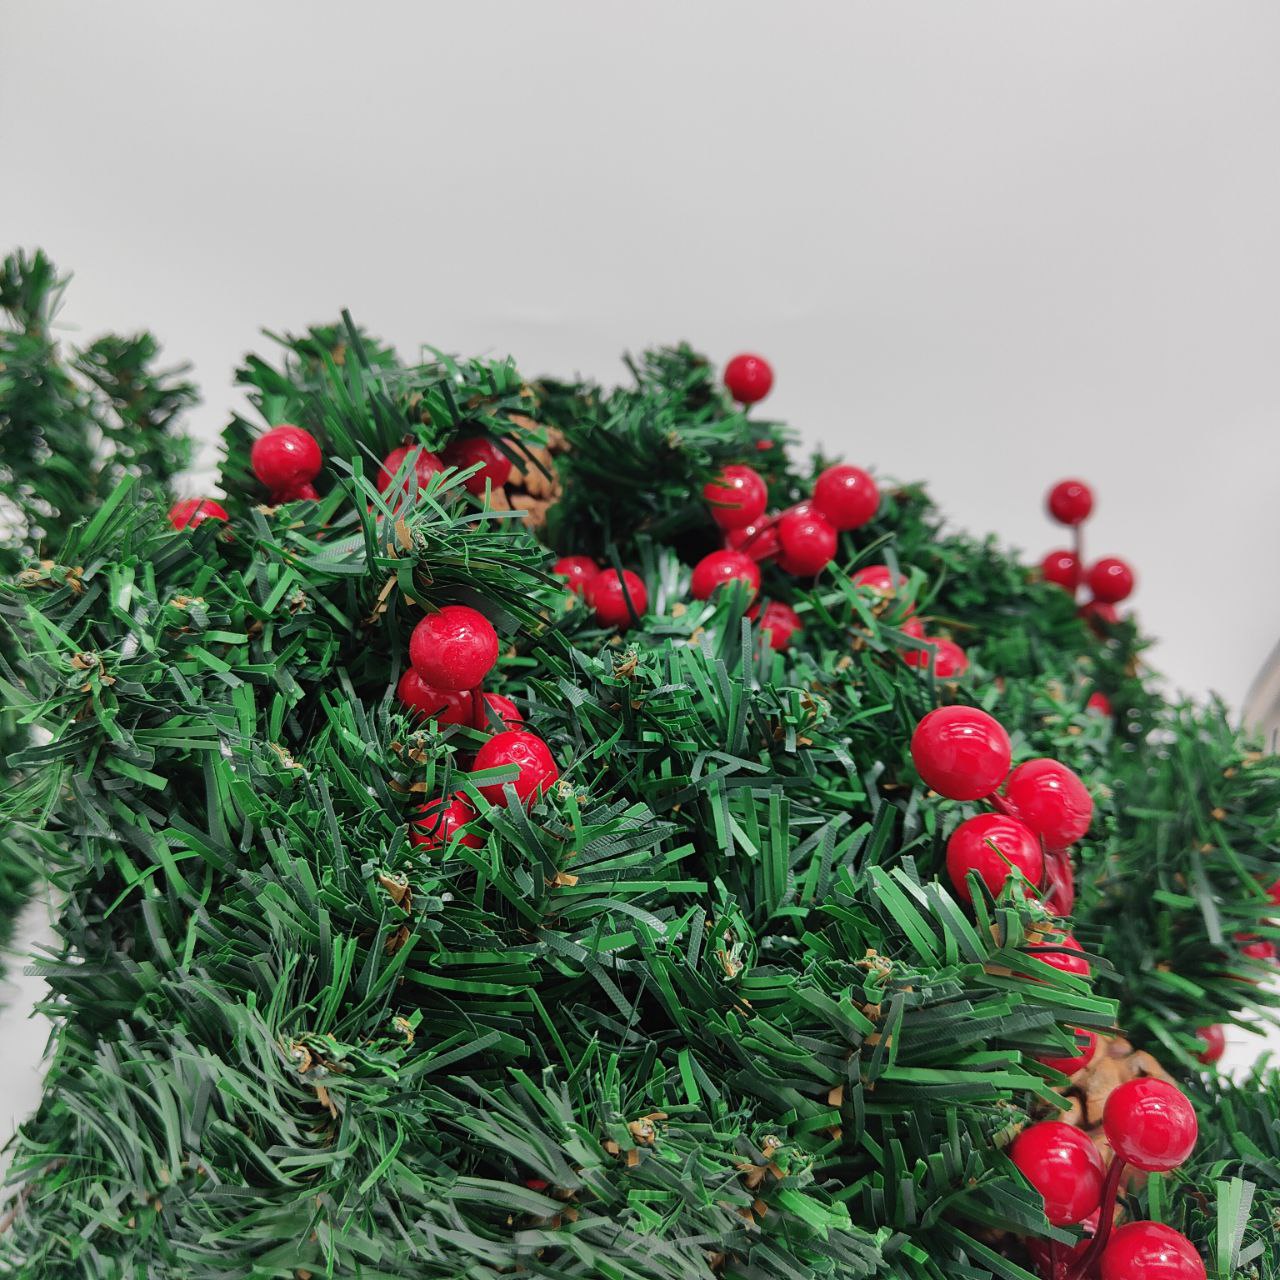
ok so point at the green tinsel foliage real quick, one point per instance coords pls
(74, 422)
(707, 1009)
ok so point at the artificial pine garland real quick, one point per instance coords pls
(524, 829)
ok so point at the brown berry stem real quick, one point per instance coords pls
(1106, 1219)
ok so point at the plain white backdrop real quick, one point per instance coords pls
(985, 244)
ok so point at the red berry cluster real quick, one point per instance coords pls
(1109, 580)
(618, 597)
(1150, 1125)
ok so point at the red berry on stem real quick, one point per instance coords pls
(1070, 501)
(454, 648)
(994, 846)
(1150, 1124)
(1100, 703)
(720, 567)
(1064, 1166)
(285, 456)
(776, 620)
(577, 571)
(608, 594)
(440, 821)
(1111, 580)
(193, 511)
(846, 496)
(749, 378)
(879, 580)
(946, 659)
(806, 542)
(1079, 1060)
(535, 766)
(496, 708)
(1063, 956)
(738, 497)
(444, 706)
(424, 465)
(495, 466)
(759, 541)
(1149, 1251)
(1214, 1038)
(1051, 800)
(912, 627)
(1062, 567)
(960, 752)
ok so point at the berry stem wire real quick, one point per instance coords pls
(1106, 1220)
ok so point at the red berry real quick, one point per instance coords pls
(1150, 1123)
(193, 511)
(1215, 1043)
(1051, 800)
(1070, 501)
(454, 648)
(577, 570)
(1064, 1166)
(1149, 1251)
(738, 497)
(846, 496)
(720, 567)
(535, 766)
(946, 658)
(285, 456)
(879, 580)
(440, 821)
(806, 543)
(1099, 615)
(424, 465)
(1273, 893)
(1111, 580)
(1079, 1060)
(748, 378)
(1060, 883)
(608, 594)
(444, 706)
(759, 541)
(776, 620)
(495, 708)
(912, 627)
(1064, 955)
(1100, 703)
(495, 466)
(994, 846)
(303, 492)
(960, 752)
(1256, 948)
(1062, 567)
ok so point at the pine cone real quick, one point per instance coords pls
(534, 489)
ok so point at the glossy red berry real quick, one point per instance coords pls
(1149, 1251)
(303, 492)
(1214, 1039)
(1086, 1043)
(1150, 1124)
(454, 648)
(880, 581)
(749, 378)
(285, 456)
(441, 821)
(615, 596)
(776, 620)
(1051, 800)
(495, 466)
(1099, 703)
(806, 542)
(847, 496)
(945, 658)
(444, 706)
(1111, 580)
(720, 567)
(422, 466)
(912, 627)
(759, 540)
(960, 752)
(1064, 1166)
(194, 511)
(1063, 954)
(1070, 501)
(577, 571)
(738, 497)
(495, 710)
(536, 769)
(994, 846)
(1061, 567)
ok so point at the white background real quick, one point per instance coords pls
(986, 244)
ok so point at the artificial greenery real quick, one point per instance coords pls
(705, 1010)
